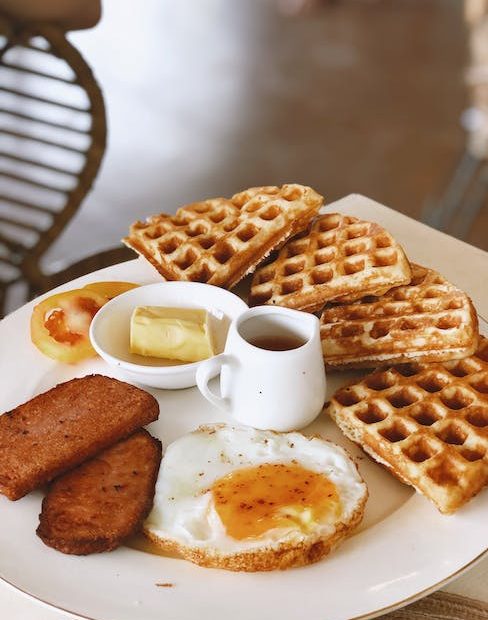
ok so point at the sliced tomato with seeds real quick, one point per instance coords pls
(60, 324)
(110, 289)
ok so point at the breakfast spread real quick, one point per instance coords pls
(61, 428)
(426, 423)
(172, 333)
(99, 504)
(427, 320)
(237, 498)
(340, 257)
(219, 241)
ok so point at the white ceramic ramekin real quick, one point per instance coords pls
(110, 328)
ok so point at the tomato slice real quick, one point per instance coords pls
(110, 289)
(60, 324)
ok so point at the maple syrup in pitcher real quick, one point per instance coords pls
(278, 342)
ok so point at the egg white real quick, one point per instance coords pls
(183, 510)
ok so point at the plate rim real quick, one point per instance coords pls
(368, 616)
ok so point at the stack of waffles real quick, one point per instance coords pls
(376, 307)
(426, 416)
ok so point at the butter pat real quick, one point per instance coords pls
(173, 333)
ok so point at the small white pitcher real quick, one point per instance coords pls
(279, 390)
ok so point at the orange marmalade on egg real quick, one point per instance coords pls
(253, 500)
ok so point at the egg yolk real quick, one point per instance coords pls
(253, 500)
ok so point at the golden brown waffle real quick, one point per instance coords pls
(426, 321)
(219, 241)
(340, 257)
(427, 423)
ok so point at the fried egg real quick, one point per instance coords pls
(244, 499)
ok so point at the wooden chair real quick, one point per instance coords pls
(52, 141)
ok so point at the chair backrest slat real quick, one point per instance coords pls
(43, 74)
(40, 99)
(19, 223)
(48, 123)
(26, 136)
(24, 179)
(13, 244)
(32, 162)
(27, 205)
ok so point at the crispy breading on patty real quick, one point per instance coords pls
(99, 504)
(61, 428)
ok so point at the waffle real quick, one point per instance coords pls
(426, 321)
(427, 423)
(340, 257)
(219, 241)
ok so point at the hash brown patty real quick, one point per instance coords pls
(59, 429)
(99, 504)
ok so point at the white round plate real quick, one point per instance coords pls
(403, 549)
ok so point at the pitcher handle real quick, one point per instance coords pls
(206, 371)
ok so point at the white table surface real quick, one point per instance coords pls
(462, 264)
